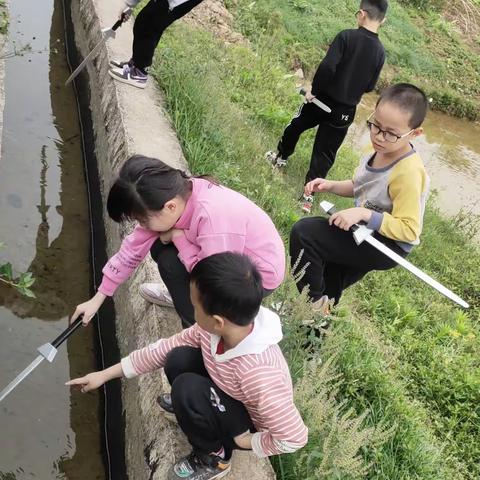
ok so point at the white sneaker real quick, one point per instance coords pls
(323, 306)
(156, 293)
(275, 159)
(129, 75)
(307, 204)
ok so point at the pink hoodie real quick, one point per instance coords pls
(216, 219)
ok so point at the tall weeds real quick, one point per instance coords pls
(382, 403)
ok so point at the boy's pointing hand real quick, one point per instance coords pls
(89, 382)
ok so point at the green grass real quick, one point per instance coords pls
(422, 47)
(407, 361)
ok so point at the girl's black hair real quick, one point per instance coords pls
(229, 285)
(144, 185)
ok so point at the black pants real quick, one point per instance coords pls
(177, 280)
(149, 26)
(332, 129)
(336, 261)
(209, 417)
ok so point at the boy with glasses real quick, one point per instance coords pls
(389, 188)
(350, 68)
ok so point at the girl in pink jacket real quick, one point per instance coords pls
(181, 220)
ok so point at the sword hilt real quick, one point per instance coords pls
(67, 332)
(316, 101)
(123, 18)
(329, 209)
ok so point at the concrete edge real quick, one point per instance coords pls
(3, 43)
(127, 121)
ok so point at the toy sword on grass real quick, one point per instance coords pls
(47, 352)
(363, 234)
(106, 34)
(316, 101)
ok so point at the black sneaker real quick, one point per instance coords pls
(165, 401)
(199, 467)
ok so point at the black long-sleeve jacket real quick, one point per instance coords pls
(351, 67)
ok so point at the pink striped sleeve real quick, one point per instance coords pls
(282, 428)
(153, 356)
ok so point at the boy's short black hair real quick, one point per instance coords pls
(409, 98)
(376, 9)
(229, 285)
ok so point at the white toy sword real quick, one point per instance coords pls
(106, 34)
(316, 101)
(47, 352)
(363, 234)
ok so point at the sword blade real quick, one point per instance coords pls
(416, 271)
(21, 376)
(89, 57)
(321, 105)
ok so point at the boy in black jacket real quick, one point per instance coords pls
(350, 68)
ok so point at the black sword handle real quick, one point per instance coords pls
(333, 210)
(67, 332)
(122, 19)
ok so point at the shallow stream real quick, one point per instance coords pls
(47, 431)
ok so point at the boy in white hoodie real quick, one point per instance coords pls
(231, 387)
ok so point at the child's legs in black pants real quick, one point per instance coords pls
(149, 26)
(335, 260)
(209, 417)
(308, 116)
(176, 279)
(330, 135)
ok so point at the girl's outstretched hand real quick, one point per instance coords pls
(88, 309)
(318, 185)
(89, 382)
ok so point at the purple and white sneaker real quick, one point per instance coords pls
(120, 64)
(130, 75)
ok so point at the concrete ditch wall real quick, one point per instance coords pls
(127, 121)
(3, 40)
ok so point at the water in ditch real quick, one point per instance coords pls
(47, 431)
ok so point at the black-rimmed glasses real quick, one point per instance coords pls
(387, 136)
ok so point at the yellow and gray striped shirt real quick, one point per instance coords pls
(397, 195)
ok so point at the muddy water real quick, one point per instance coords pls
(46, 431)
(450, 150)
